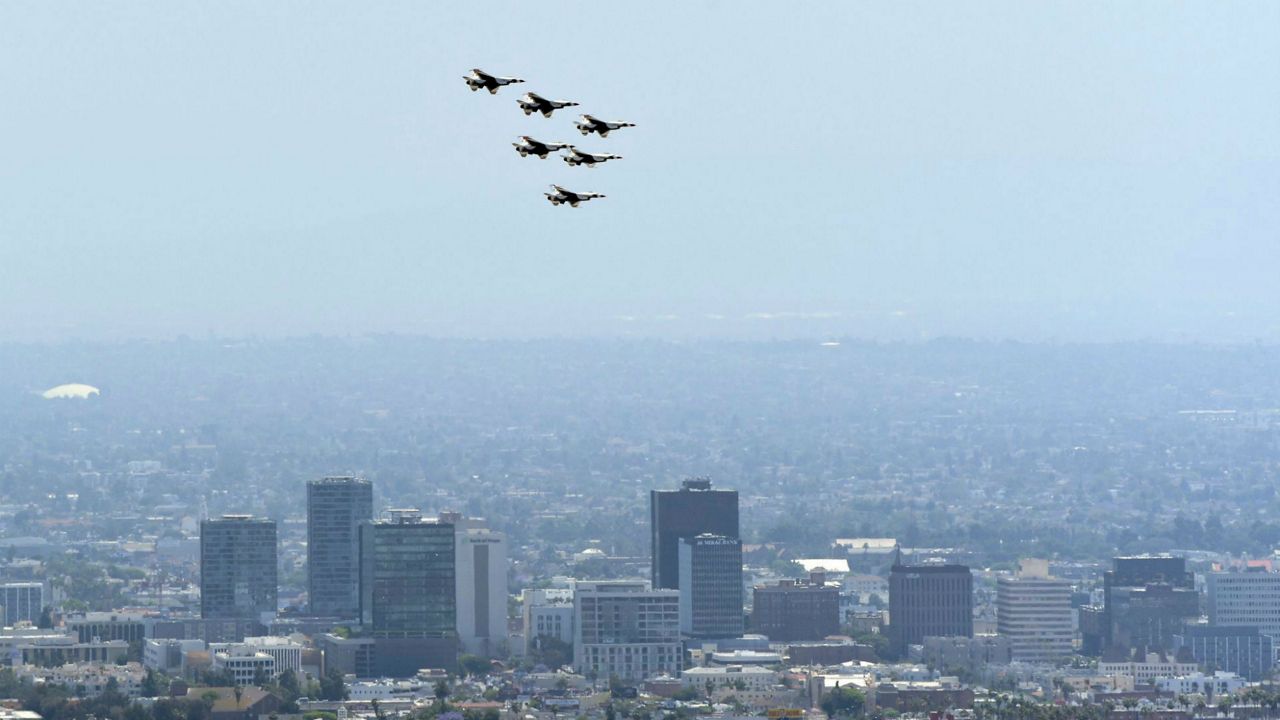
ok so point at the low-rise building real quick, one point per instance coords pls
(1235, 649)
(130, 627)
(1148, 667)
(169, 656)
(734, 677)
(349, 656)
(954, 654)
(246, 664)
(21, 602)
(33, 646)
(87, 679)
(547, 613)
(919, 696)
(390, 689)
(250, 704)
(1218, 684)
(286, 652)
(828, 652)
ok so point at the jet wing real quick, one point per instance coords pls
(482, 75)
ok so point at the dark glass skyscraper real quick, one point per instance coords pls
(336, 507)
(711, 578)
(928, 601)
(1148, 600)
(407, 577)
(407, 594)
(692, 510)
(237, 567)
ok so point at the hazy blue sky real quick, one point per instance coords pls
(1082, 170)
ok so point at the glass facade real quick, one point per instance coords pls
(407, 578)
(711, 578)
(237, 567)
(1241, 650)
(692, 510)
(336, 507)
(1148, 599)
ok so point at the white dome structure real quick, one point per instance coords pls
(70, 390)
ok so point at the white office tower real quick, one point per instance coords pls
(1033, 610)
(481, 590)
(623, 628)
(1246, 599)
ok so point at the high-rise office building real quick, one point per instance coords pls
(928, 601)
(238, 568)
(796, 610)
(1148, 600)
(21, 602)
(1249, 599)
(336, 507)
(407, 594)
(482, 591)
(711, 586)
(625, 629)
(692, 510)
(1033, 610)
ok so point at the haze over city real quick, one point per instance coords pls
(664, 361)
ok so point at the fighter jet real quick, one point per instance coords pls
(528, 146)
(532, 102)
(588, 124)
(576, 157)
(560, 195)
(481, 79)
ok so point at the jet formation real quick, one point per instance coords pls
(532, 102)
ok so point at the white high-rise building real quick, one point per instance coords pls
(623, 628)
(1249, 599)
(481, 587)
(1033, 610)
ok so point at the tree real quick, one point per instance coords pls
(686, 694)
(844, 701)
(552, 652)
(441, 691)
(150, 686)
(289, 684)
(332, 686)
(473, 665)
